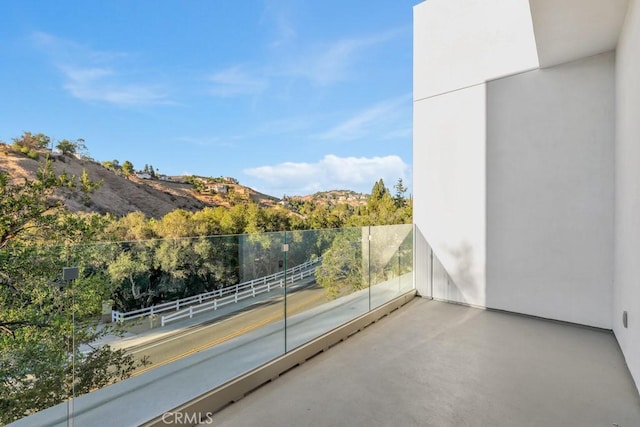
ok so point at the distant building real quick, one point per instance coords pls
(143, 175)
(217, 188)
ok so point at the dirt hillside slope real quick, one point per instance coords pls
(117, 195)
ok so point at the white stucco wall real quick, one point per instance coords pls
(449, 187)
(496, 37)
(528, 187)
(467, 42)
(550, 170)
(568, 30)
(627, 206)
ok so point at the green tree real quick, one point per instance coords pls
(401, 190)
(150, 170)
(128, 268)
(177, 223)
(127, 168)
(87, 186)
(66, 147)
(341, 270)
(234, 220)
(378, 192)
(133, 226)
(38, 337)
(28, 140)
(208, 221)
(72, 147)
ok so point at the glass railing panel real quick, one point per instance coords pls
(143, 316)
(149, 310)
(190, 295)
(390, 262)
(337, 293)
(36, 331)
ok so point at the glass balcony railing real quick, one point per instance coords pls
(163, 321)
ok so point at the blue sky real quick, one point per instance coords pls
(290, 97)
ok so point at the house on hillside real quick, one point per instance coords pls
(217, 188)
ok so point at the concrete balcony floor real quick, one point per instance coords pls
(437, 364)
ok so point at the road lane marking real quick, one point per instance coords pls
(227, 337)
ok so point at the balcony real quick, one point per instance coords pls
(438, 364)
(405, 360)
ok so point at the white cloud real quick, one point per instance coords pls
(384, 118)
(322, 64)
(331, 172)
(333, 62)
(102, 85)
(92, 75)
(235, 81)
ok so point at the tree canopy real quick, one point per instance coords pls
(38, 336)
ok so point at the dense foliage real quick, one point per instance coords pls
(38, 334)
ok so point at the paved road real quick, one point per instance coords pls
(171, 384)
(212, 332)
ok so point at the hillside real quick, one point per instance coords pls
(334, 197)
(120, 195)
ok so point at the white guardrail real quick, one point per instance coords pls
(235, 292)
(232, 299)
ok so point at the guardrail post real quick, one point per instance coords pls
(190, 312)
(162, 321)
(253, 291)
(236, 297)
(199, 299)
(215, 304)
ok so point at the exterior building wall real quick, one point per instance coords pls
(495, 36)
(627, 206)
(449, 188)
(550, 186)
(526, 148)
